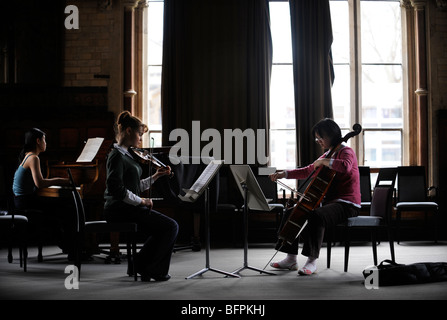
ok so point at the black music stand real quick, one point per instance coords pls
(199, 187)
(253, 199)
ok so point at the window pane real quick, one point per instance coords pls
(283, 148)
(154, 98)
(381, 32)
(340, 55)
(340, 31)
(383, 148)
(282, 103)
(341, 96)
(155, 33)
(282, 99)
(281, 32)
(382, 96)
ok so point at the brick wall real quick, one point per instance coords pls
(88, 50)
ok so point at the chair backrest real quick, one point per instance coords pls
(365, 183)
(78, 203)
(381, 203)
(411, 184)
(386, 177)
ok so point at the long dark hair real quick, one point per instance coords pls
(328, 128)
(31, 137)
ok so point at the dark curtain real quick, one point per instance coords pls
(313, 71)
(217, 59)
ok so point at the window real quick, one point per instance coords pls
(282, 103)
(368, 85)
(152, 110)
(282, 100)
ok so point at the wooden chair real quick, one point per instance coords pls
(379, 218)
(15, 227)
(412, 195)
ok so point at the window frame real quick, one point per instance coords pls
(355, 64)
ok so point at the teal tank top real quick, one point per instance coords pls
(23, 183)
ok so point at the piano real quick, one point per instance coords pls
(89, 177)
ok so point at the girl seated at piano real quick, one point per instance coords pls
(28, 179)
(124, 204)
(28, 176)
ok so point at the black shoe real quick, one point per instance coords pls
(147, 278)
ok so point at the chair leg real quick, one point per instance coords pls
(21, 256)
(391, 240)
(329, 248)
(10, 258)
(77, 255)
(25, 257)
(374, 245)
(130, 257)
(134, 254)
(347, 246)
(39, 254)
(398, 226)
(436, 225)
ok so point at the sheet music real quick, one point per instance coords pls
(90, 150)
(202, 182)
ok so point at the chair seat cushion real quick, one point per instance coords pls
(364, 221)
(104, 226)
(226, 207)
(415, 205)
(17, 219)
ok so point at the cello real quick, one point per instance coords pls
(313, 195)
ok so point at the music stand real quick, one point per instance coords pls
(197, 189)
(254, 199)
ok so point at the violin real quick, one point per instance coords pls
(144, 157)
(313, 195)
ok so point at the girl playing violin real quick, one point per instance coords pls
(124, 204)
(341, 202)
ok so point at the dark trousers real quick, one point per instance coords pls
(160, 232)
(326, 216)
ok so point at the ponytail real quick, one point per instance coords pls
(126, 120)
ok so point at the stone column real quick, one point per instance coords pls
(421, 80)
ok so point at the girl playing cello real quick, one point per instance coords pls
(341, 202)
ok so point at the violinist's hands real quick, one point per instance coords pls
(277, 175)
(146, 202)
(321, 162)
(162, 172)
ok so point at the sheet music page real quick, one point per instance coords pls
(90, 150)
(197, 188)
(205, 177)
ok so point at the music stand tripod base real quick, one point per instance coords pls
(245, 265)
(207, 262)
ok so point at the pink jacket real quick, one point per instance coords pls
(346, 184)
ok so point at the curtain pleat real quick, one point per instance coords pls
(313, 71)
(216, 65)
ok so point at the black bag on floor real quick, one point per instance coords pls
(394, 274)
